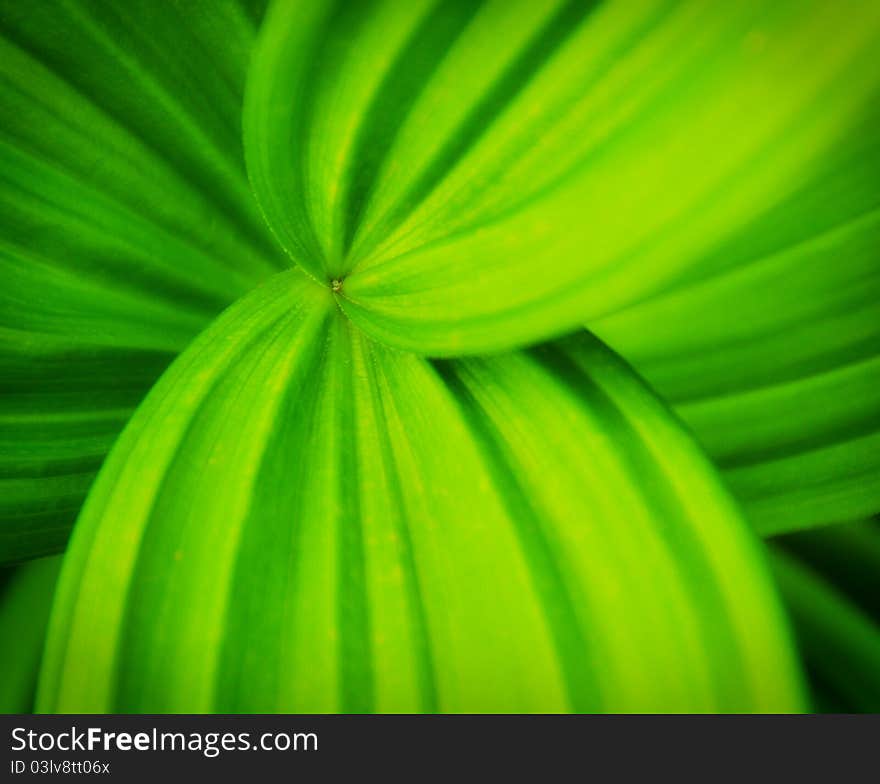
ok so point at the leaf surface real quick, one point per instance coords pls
(830, 580)
(25, 600)
(483, 175)
(774, 361)
(126, 224)
(299, 519)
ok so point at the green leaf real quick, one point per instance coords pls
(299, 519)
(838, 628)
(126, 224)
(480, 175)
(846, 554)
(774, 361)
(25, 598)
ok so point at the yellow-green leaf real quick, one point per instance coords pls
(774, 360)
(300, 519)
(482, 175)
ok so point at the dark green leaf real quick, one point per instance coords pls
(126, 223)
(25, 598)
(836, 612)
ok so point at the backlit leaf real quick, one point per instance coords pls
(299, 519)
(481, 175)
(774, 362)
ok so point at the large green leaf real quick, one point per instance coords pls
(299, 519)
(480, 175)
(774, 362)
(126, 223)
(25, 599)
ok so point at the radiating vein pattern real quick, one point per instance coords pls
(126, 224)
(350, 248)
(484, 175)
(300, 519)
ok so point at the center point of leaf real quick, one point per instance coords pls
(336, 284)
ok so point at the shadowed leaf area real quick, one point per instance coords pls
(25, 598)
(830, 580)
(126, 224)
